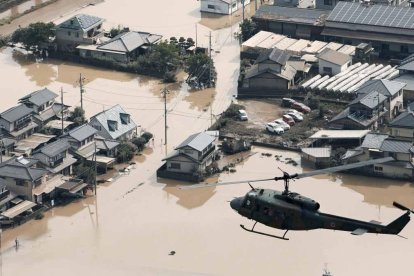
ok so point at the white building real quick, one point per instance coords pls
(222, 6)
(332, 62)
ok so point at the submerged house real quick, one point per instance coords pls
(80, 29)
(124, 47)
(44, 106)
(190, 159)
(222, 6)
(377, 145)
(55, 157)
(114, 124)
(17, 123)
(272, 70)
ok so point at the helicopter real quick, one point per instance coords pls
(287, 210)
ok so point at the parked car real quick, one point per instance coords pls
(288, 120)
(301, 107)
(242, 115)
(282, 123)
(287, 102)
(294, 111)
(274, 128)
(295, 116)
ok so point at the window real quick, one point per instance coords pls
(327, 2)
(211, 7)
(77, 34)
(377, 169)
(404, 49)
(175, 166)
(69, 33)
(71, 22)
(103, 54)
(327, 70)
(20, 182)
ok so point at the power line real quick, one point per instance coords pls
(121, 94)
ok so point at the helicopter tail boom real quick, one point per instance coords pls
(397, 225)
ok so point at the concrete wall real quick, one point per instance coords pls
(101, 55)
(267, 81)
(336, 69)
(395, 172)
(190, 152)
(186, 167)
(396, 105)
(25, 191)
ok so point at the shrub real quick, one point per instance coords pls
(147, 136)
(126, 151)
(139, 142)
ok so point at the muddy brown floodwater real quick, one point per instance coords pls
(129, 228)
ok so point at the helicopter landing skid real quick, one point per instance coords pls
(264, 234)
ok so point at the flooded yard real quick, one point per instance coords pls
(133, 223)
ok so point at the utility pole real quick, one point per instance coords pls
(61, 99)
(196, 36)
(209, 62)
(96, 169)
(81, 79)
(165, 91)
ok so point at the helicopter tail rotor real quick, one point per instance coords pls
(402, 207)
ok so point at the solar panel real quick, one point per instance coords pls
(379, 15)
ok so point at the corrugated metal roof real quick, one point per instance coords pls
(39, 97)
(391, 145)
(82, 132)
(15, 113)
(18, 209)
(373, 140)
(334, 57)
(112, 123)
(257, 39)
(276, 55)
(339, 134)
(318, 152)
(291, 14)
(198, 141)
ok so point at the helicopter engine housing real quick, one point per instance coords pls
(305, 202)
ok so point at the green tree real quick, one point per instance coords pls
(126, 151)
(34, 35)
(118, 30)
(197, 66)
(3, 40)
(162, 58)
(139, 142)
(84, 172)
(248, 28)
(78, 116)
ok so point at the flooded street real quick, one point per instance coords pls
(129, 228)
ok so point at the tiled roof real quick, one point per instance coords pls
(371, 99)
(385, 87)
(404, 120)
(373, 140)
(276, 55)
(55, 148)
(129, 41)
(39, 97)
(84, 21)
(114, 126)
(20, 168)
(292, 14)
(198, 141)
(82, 132)
(288, 72)
(15, 113)
(391, 145)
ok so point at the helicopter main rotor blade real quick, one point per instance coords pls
(203, 185)
(346, 167)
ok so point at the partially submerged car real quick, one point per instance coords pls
(274, 128)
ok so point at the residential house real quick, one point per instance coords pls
(82, 141)
(381, 145)
(22, 176)
(55, 157)
(5, 196)
(377, 101)
(406, 75)
(222, 6)
(190, 159)
(6, 146)
(390, 29)
(332, 62)
(271, 70)
(80, 29)
(17, 123)
(124, 47)
(44, 105)
(291, 21)
(114, 124)
(106, 147)
(402, 127)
